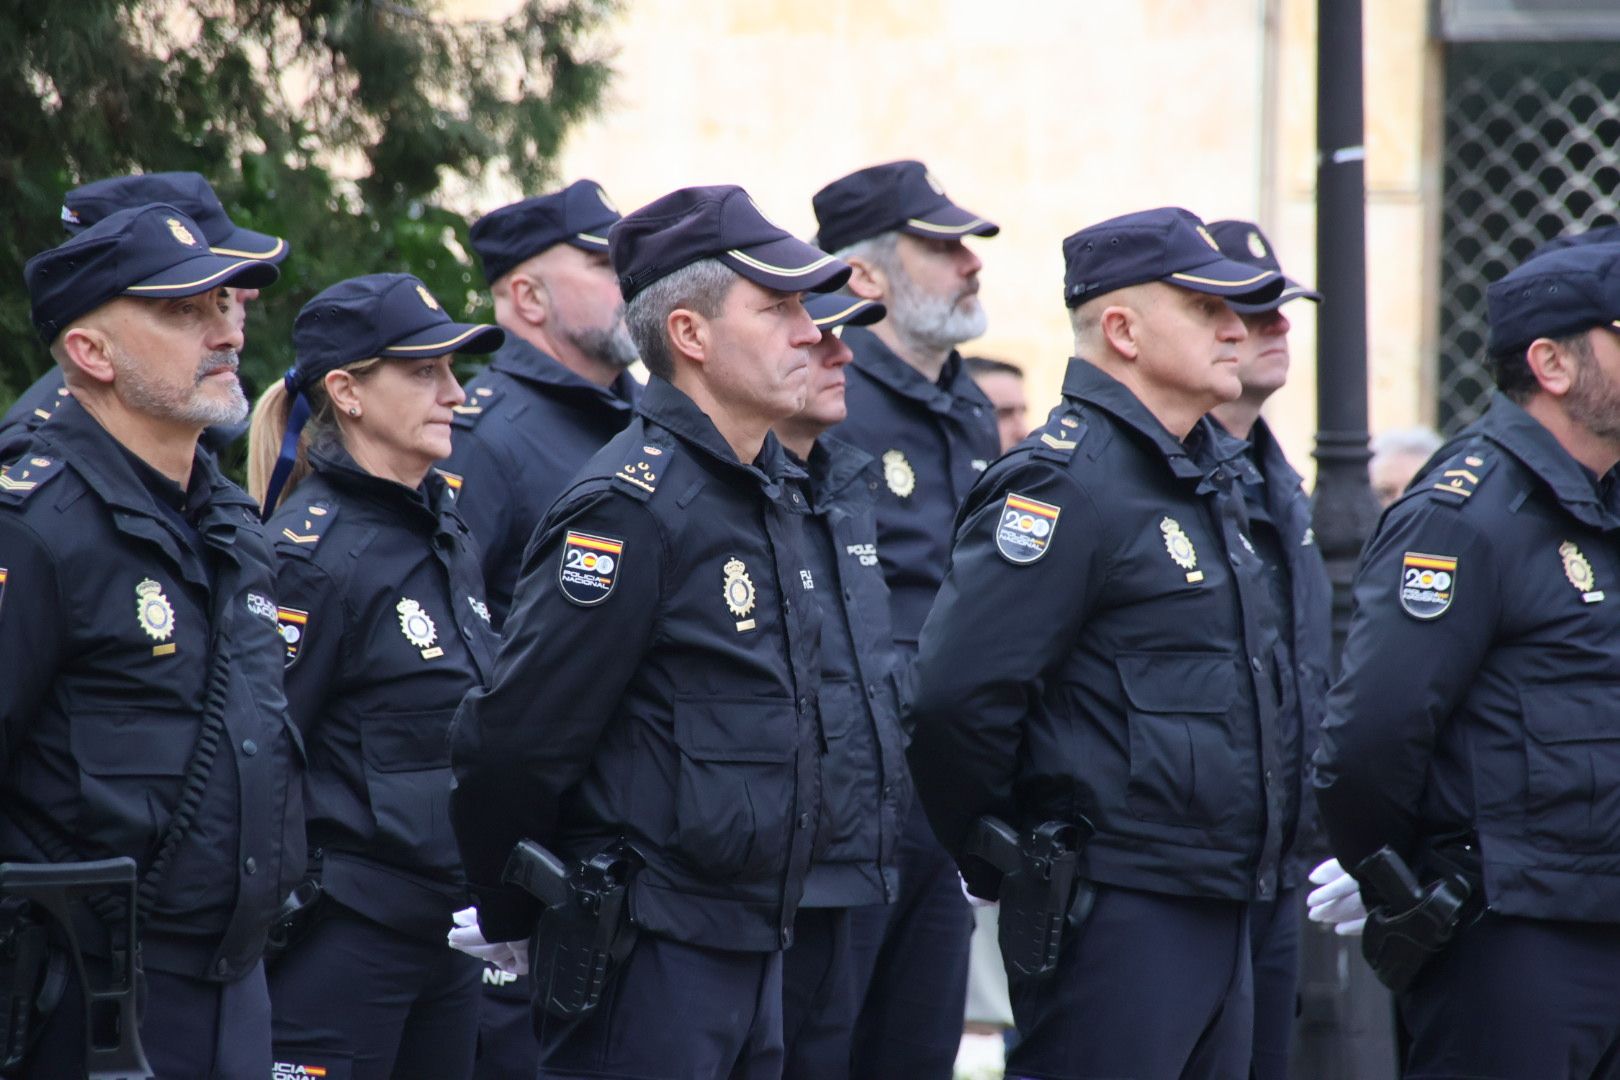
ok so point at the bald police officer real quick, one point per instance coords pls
(654, 702)
(1098, 658)
(914, 407)
(143, 713)
(1470, 736)
(558, 389)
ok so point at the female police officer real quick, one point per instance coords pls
(381, 608)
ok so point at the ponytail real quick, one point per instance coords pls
(276, 463)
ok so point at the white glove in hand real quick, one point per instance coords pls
(511, 957)
(1337, 901)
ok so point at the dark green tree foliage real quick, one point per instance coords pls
(273, 101)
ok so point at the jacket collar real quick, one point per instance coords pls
(669, 408)
(526, 363)
(421, 506)
(1523, 436)
(1088, 383)
(881, 362)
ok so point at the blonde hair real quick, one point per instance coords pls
(269, 425)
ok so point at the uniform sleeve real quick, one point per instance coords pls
(33, 631)
(1409, 660)
(996, 627)
(305, 589)
(517, 747)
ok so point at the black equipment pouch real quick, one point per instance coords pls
(37, 903)
(1411, 923)
(295, 918)
(1041, 891)
(585, 931)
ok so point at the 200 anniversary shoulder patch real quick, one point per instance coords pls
(1428, 584)
(589, 567)
(1026, 528)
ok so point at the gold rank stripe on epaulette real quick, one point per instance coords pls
(316, 518)
(22, 477)
(1056, 443)
(479, 401)
(644, 470)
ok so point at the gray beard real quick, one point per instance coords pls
(935, 322)
(609, 345)
(146, 396)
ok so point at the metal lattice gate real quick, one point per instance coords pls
(1532, 151)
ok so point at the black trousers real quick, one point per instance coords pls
(1274, 927)
(1151, 987)
(1517, 999)
(818, 996)
(675, 1010)
(506, 1042)
(912, 959)
(365, 1002)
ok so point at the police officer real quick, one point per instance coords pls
(1279, 514)
(657, 683)
(1002, 384)
(1471, 730)
(88, 204)
(381, 608)
(142, 705)
(558, 389)
(1098, 657)
(866, 790)
(914, 408)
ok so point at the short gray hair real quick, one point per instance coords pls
(880, 250)
(701, 287)
(1416, 441)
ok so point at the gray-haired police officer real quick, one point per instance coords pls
(1098, 657)
(142, 707)
(866, 789)
(381, 606)
(657, 684)
(89, 203)
(1471, 731)
(914, 407)
(1301, 604)
(558, 389)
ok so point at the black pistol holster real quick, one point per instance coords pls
(40, 952)
(1410, 923)
(1040, 889)
(585, 931)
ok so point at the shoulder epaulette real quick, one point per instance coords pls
(303, 533)
(478, 403)
(452, 482)
(1060, 437)
(26, 475)
(644, 468)
(1459, 478)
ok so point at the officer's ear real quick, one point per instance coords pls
(1121, 327)
(689, 334)
(866, 279)
(1555, 366)
(85, 351)
(529, 298)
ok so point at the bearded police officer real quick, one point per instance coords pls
(558, 389)
(83, 207)
(142, 706)
(866, 791)
(1465, 773)
(1099, 672)
(913, 406)
(654, 702)
(1301, 604)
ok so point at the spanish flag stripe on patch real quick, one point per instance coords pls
(1015, 503)
(289, 615)
(612, 547)
(1432, 562)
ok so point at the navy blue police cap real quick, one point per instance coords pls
(85, 205)
(1242, 241)
(1169, 244)
(1555, 295)
(580, 215)
(723, 223)
(1603, 234)
(832, 310)
(393, 316)
(154, 252)
(900, 195)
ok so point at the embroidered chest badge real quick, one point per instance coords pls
(739, 593)
(418, 628)
(1180, 547)
(1579, 572)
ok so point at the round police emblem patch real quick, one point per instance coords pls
(898, 474)
(153, 609)
(739, 588)
(1025, 530)
(1428, 584)
(416, 624)
(1178, 544)
(589, 567)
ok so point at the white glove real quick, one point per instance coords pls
(509, 956)
(1337, 901)
(973, 901)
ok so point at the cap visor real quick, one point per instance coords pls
(788, 265)
(247, 244)
(448, 337)
(828, 310)
(1224, 277)
(590, 241)
(1292, 290)
(205, 272)
(949, 221)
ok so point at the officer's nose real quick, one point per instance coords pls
(968, 263)
(805, 332)
(1279, 323)
(454, 394)
(225, 331)
(1230, 327)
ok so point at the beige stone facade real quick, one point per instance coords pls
(1044, 115)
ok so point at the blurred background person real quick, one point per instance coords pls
(1003, 384)
(1397, 455)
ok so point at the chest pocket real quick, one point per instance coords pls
(406, 756)
(734, 785)
(130, 767)
(1572, 756)
(1184, 768)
